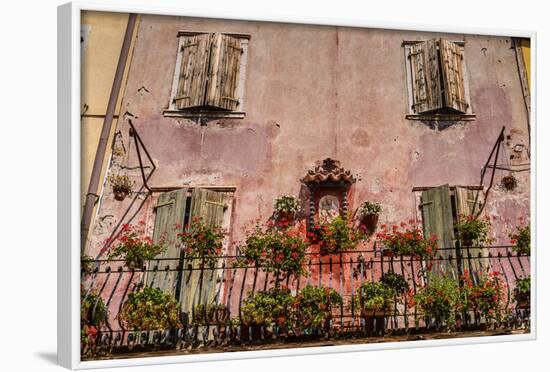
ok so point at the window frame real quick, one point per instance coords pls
(436, 116)
(210, 113)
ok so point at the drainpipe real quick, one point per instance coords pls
(91, 195)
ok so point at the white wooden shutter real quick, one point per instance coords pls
(223, 75)
(425, 73)
(453, 76)
(193, 71)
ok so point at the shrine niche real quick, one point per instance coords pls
(328, 184)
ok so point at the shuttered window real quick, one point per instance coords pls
(437, 77)
(172, 210)
(209, 72)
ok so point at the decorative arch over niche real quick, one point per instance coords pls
(328, 183)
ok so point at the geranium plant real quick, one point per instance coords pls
(338, 235)
(268, 308)
(407, 239)
(369, 208)
(203, 242)
(93, 314)
(313, 306)
(521, 239)
(122, 186)
(281, 251)
(286, 206)
(472, 230)
(440, 299)
(135, 246)
(150, 309)
(487, 297)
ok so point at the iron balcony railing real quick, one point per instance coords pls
(231, 284)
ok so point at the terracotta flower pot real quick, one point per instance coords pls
(369, 221)
(374, 320)
(523, 299)
(120, 194)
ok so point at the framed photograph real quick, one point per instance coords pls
(254, 187)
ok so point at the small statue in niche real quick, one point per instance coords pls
(329, 208)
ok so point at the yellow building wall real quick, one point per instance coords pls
(526, 53)
(103, 35)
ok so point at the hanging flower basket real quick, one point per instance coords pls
(122, 186)
(286, 207)
(509, 182)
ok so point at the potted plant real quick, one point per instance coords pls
(203, 242)
(313, 307)
(395, 282)
(286, 207)
(93, 314)
(509, 182)
(336, 236)
(150, 309)
(487, 297)
(268, 309)
(135, 247)
(210, 314)
(374, 301)
(86, 264)
(522, 293)
(368, 214)
(122, 186)
(280, 251)
(473, 231)
(407, 239)
(521, 239)
(440, 299)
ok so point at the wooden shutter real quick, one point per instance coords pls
(466, 205)
(170, 211)
(425, 77)
(224, 72)
(437, 217)
(453, 76)
(193, 71)
(210, 206)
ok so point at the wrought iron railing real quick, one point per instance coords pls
(231, 284)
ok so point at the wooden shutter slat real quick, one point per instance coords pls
(193, 71)
(210, 206)
(453, 76)
(437, 217)
(223, 73)
(170, 211)
(425, 77)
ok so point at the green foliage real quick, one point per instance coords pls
(473, 231)
(375, 296)
(487, 297)
(150, 309)
(521, 239)
(337, 235)
(313, 305)
(267, 308)
(86, 264)
(523, 285)
(93, 314)
(440, 299)
(203, 242)
(395, 281)
(281, 251)
(370, 208)
(136, 247)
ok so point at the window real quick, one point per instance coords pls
(209, 75)
(440, 207)
(437, 80)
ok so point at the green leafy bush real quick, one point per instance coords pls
(313, 305)
(268, 308)
(150, 309)
(521, 239)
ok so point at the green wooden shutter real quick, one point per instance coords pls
(453, 79)
(437, 217)
(195, 57)
(210, 206)
(223, 73)
(170, 211)
(425, 73)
